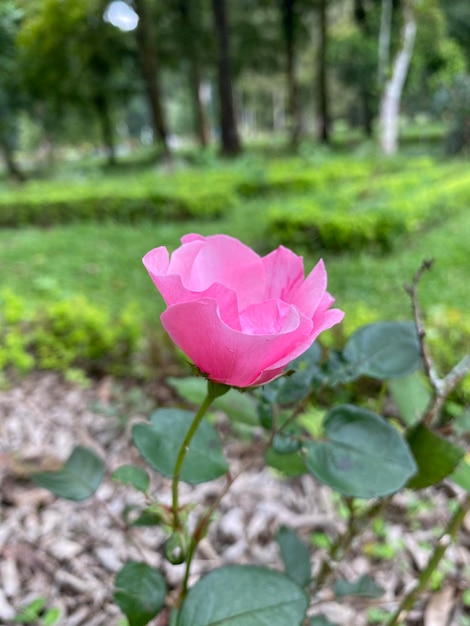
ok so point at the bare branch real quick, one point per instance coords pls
(412, 290)
(441, 387)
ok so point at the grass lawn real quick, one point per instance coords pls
(103, 261)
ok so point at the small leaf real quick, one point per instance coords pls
(436, 457)
(284, 443)
(411, 396)
(289, 464)
(265, 413)
(384, 350)
(461, 422)
(320, 620)
(244, 595)
(295, 556)
(139, 592)
(51, 617)
(78, 479)
(30, 613)
(132, 475)
(363, 455)
(160, 442)
(148, 517)
(461, 475)
(364, 586)
(241, 407)
(296, 386)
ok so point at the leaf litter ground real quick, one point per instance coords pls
(69, 553)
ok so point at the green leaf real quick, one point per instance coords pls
(364, 586)
(159, 443)
(244, 595)
(461, 422)
(139, 591)
(265, 413)
(312, 421)
(51, 617)
(435, 457)
(296, 386)
(320, 620)
(411, 396)
(190, 388)
(30, 613)
(238, 406)
(384, 350)
(363, 456)
(461, 475)
(289, 464)
(295, 556)
(78, 479)
(286, 442)
(148, 517)
(132, 475)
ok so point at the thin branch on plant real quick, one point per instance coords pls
(441, 387)
(412, 290)
(204, 521)
(356, 524)
(120, 523)
(447, 537)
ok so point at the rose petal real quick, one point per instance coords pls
(267, 318)
(192, 237)
(173, 292)
(157, 261)
(224, 354)
(284, 273)
(326, 320)
(203, 261)
(308, 296)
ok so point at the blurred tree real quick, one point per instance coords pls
(72, 58)
(323, 98)
(290, 26)
(191, 37)
(11, 95)
(455, 102)
(457, 14)
(395, 82)
(150, 69)
(437, 58)
(230, 142)
(353, 56)
(363, 18)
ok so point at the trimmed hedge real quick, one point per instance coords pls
(67, 335)
(48, 205)
(297, 177)
(369, 215)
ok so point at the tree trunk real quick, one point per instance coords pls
(150, 73)
(390, 102)
(366, 93)
(107, 131)
(13, 170)
(230, 142)
(384, 40)
(324, 120)
(288, 19)
(192, 55)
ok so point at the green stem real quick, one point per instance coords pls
(343, 542)
(214, 390)
(447, 537)
(203, 523)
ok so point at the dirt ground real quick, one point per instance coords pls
(68, 553)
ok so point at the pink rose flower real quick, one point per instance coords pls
(239, 317)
